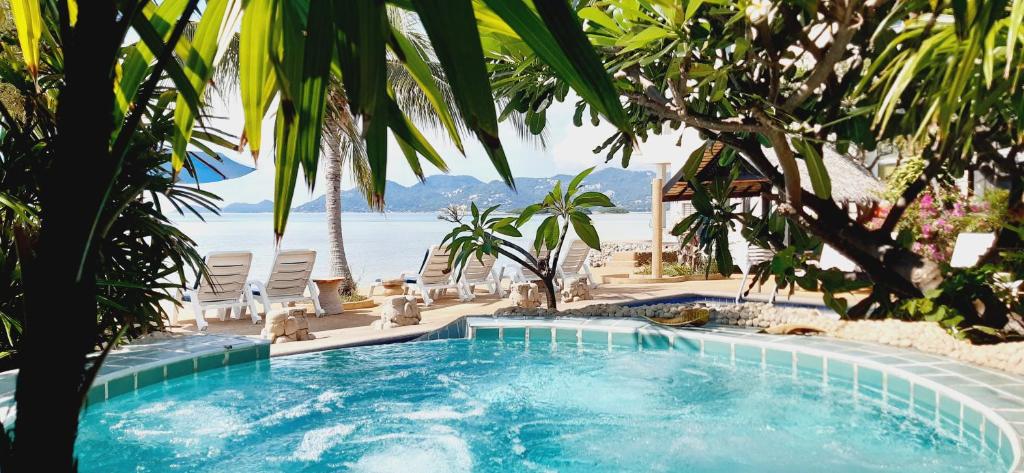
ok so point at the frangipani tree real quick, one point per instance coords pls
(791, 78)
(484, 234)
(290, 49)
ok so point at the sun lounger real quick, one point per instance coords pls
(477, 273)
(436, 275)
(574, 265)
(746, 258)
(223, 287)
(290, 277)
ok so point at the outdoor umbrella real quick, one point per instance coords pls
(205, 168)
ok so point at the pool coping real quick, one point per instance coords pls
(955, 393)
(151, 361)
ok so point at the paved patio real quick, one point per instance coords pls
(353, 327)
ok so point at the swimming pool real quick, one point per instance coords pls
(481, 405)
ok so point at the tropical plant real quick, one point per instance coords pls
(792, 78)
(487, 235)
(289, 50)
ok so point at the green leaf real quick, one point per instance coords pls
(257, 81)
(29, 22)
(405, 131)
(592, 199)
(599, 17)
(139, 57)
(586, 231)
(544, 231)
(692, 163)
(570, 55)
(576, 181)
(816, 170)
(528, 213)
(362, 34)
(420, 71)
(451, 26)
(218, 20)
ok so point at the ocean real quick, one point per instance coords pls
(377, 245)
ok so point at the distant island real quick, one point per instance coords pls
(629, 190)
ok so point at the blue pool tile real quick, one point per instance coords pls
(654, 341)
(566, 335)
(869, 377)
(625, 340)
(839, 370)
(1006, 452)
(898, 387)
(595, 337)
(992, 434)
(514, 334)
(540, 334)
(119, 386)
(972, 422)
(263, 351)
(809, 363)
(180, 368)
(97, 393)
(924, 396)
(150, 376)
(684, 344)
(780, 358)
(243, 355)
(949, 409)
(209, 362)
(898, 403)
(748, 353)
(717, 349)
(486, 333)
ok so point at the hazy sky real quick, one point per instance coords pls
(569, 150)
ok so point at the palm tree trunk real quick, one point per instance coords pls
(60, 331)
(339, 263)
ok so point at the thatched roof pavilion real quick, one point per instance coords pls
(851, 182)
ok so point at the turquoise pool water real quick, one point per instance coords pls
(460, 405)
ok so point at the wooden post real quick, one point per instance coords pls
(657, 218)
(657, 214)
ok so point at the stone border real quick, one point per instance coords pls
(152, 361)
(981, 406)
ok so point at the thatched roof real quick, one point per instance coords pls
(851, 182)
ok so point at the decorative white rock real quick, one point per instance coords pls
(577, 289)
(398, 311)
(525, 295)
(286, 325)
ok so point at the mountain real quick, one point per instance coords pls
(243, 208)
(630, 190)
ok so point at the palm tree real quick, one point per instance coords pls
(288, 49)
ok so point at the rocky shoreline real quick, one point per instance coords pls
(927, 337)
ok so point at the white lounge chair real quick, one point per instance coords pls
(477, 273)
(746, 258)
(832, 259)
(521, 274)
(436, 275)
(969, 249)
(223, 287)
(289, 278)
(574, 265)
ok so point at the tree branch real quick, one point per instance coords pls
(700, 121)
(826, 67)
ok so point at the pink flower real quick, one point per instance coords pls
(927, 201)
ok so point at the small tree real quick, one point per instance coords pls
(486, 235)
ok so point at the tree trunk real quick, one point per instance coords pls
(549, 289)
(339, 263)
(60, 331)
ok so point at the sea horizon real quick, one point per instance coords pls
(377, 245)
